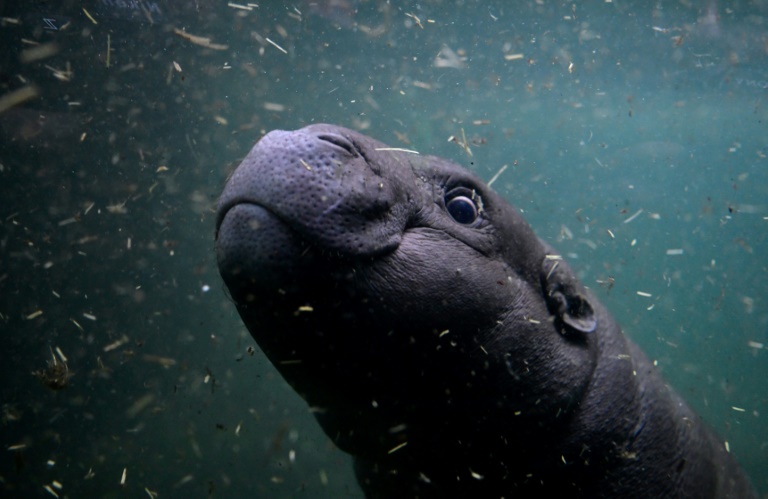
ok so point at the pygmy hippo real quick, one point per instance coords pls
(438, 340)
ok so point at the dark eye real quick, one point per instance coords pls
(462, 209)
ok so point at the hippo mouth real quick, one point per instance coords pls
(253, 242)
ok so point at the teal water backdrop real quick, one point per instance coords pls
(632, 135)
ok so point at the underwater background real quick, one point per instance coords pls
(632, 136)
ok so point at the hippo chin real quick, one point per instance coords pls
(437, 340)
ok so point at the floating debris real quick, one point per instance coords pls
(498, 173)
(61, 74)
(199, 40)
(634, 216)
(165, 362)
(55, 376)
(109, 49)
(278, 47)
(38, 52)
(184, 480)
(116, 344)
(415, 20)
(397, 448)
(67, 221)
(139, 405)
(447, 58)
(239, 6)
(118, 208)
(34, 315)
(17, 97)
(274, 106)
(89, 16)
(50, 490)
(61, 354)
(462, 143)
(397, 149)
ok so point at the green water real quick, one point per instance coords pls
(111, 165)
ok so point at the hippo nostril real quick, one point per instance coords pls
(341, 142)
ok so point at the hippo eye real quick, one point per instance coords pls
(462, 209)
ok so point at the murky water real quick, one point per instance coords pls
(635, 137)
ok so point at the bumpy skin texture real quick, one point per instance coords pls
(450, 358)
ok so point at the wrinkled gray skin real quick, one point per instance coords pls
(450, 358)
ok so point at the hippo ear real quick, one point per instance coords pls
(566, 299)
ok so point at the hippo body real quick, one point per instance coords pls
(438, 340)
